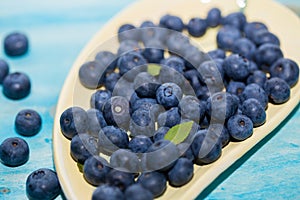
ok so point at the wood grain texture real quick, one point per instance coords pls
(57, 31)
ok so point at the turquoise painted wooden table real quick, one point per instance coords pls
(57, 31)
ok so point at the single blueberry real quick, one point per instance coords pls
(181, 173)
(145, 85)
(99, 98)
(72, 121)
(128, 32)
(16, 86)
(213, 17)
(171, 22)
(253, 90)
(226, 37)
(236, 67)
(120, 179)
(111, 139)
(28, 122)
(16, 44)
(258, 77)
(191, 108)
(138, 192)
(107, 59)
(140, 144)
(264, 36)
(277, 90)
(154, 51)
(174, 62)
(287, 70)
(235, 87)
(235, 19)
(143, 103)
(255, 111)
(240, 127)
(92, 74)
(14, 152)
(96, 121)
(206, 147)
(111, 81)
(142, 123)
(197, 27)
(42, 184)
(169, 118)
(169, 95)
(154, 181)
(108, 192)
(251, 28)
(126, 160)
(4, 70)
(217, 53)
(266, 55)
(83, 146)
(245, 48)
(95, 170)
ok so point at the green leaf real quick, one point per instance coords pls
(80, 167)
(178, 133)
(154, 69)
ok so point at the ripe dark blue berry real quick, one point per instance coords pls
(154, 181)
(197, 27)
(213, 17)
(169, 95)
(235, 19)
(181, 173)
(169, 118)
(14, 152)
(191, 108)
(240, 127)
(96, 121)
(171, 22)
(277, 90)
(251, 28)
(244, 47)
(107, 59)
(126, 160)
(255, 111)
(253, 90)
(127, 32)
(140, 144)
(108, 192)
(92, 74)
(120, 179)
(16, 44)
(258, 77)
(99, 98)
(236, 67)
(137, 192)
(28, 122)
(95, 170)
(16, 86)
(160, 133)
(42, 184)
(227, 36)
(266, 55)
(4, 70)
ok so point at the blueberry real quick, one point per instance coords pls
(168, 95)
(128, 32)
(120, 179)
(73, 120)
(264, 36)
(145, 85)
(191, 108)
(4, 70)
(171, 22)
(255, 111)
(245, 48)
(258, 77)
(219, 131)
(226, 37)
(131, 64)
(111, 81)
(126, 160)
(251, 28)
(185, 150)
(236, 67)
(147, 24)
(142, 123)
(235, 87)
(108, 192)
(154, 181)
(253, 90)
(169, 118)
(124, 87)
(287, 70)
(28, 122)
(107, 59)
(153, 33)
(221, 106)
(16, 44)
(116, 112)
(95, 170)
(99, 98)
(217, 53)
(16, 86)
(112, 138)
(137, 192)
(143, 103)
(214, 17)
(240, 127)
(278, 90)
(127, 46)
(160, 133)
(140, 144)
(197, 27)
(174, 62)
(161, 156)
(96, 121)
(181, 173)
(235, 19)
(92, 74)
(266, 55)
(206, 147)
(154, 51)
(14, 152)
(42, 184)
(83, 146)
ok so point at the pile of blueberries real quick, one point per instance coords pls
(14, 151)
(159, 80)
